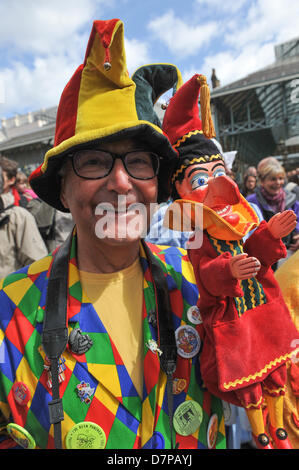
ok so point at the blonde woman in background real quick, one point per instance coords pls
(271, 197)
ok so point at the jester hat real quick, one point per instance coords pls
(189, 134)
(192, 137)
(100, 103)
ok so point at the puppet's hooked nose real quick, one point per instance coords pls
(221, 191)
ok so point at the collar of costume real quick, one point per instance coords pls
(209, 220)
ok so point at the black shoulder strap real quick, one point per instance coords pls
(167, 342)
(166, 335)
(55, 331)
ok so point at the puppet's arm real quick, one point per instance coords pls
(265, 243)
(214, 274)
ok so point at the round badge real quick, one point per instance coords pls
(187, 417)
(20, 436)
(187, 341)
(86, 435)
(21, 393)
(212, 431)
(178, 386)
(193, 315)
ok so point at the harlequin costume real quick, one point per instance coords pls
(95, 390)
(249, 332)
(127, 420)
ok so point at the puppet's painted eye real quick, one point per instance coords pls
(199, 180)
(219, 172)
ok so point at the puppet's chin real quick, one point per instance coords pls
(227, 213)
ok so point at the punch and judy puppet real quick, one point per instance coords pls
(248, 329)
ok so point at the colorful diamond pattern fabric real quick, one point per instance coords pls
(113, 402)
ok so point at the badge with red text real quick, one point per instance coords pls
(187, 340)
(21, 393)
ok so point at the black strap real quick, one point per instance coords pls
(55, 331)
(166, 335)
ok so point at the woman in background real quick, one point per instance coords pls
(271, 197)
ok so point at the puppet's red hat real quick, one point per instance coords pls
(189, 127)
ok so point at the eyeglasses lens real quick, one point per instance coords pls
(93, 164)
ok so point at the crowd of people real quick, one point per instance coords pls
(30, 228)
(112, 341)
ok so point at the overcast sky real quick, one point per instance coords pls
(43, 41)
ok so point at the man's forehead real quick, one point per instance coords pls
(121, 145)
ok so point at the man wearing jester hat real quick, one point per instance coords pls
(105, 305)
(248, 329)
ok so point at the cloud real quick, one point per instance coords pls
(250, 38)
(34, 88)
(231, 66)
(53, 39)
(266, 21)
(42, 27)
(229, 6)
(181, 37)
(137, 54)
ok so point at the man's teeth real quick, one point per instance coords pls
(221, 211)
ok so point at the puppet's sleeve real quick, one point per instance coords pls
(214, 274)
(267, 249)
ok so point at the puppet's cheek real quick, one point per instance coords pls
(198, 194)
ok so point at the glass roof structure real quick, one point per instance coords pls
(259, 114)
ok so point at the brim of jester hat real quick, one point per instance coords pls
(188, 214)
(98, 105)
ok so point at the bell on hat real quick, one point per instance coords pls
(98, 103)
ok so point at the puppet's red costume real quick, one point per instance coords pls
(249, 334)
(248, 327)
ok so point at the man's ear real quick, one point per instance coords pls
(62, 193)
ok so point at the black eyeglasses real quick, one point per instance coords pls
(93, 164)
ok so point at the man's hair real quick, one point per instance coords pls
(9, 166)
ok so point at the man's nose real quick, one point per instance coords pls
(222, 190)
(119, 180)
